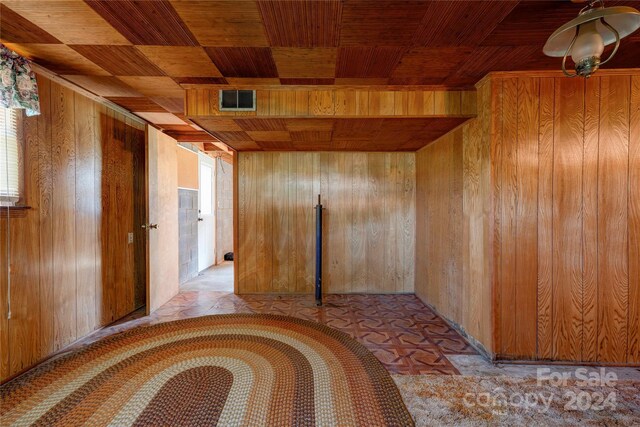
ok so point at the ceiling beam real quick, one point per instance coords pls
(191, 136)
(338, 103)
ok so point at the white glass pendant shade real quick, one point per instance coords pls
(589, 43)
(624, 19)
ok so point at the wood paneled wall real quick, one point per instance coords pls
(72, 270)
(453, 242)
(550, 220)
(369, 221)
(567, 218)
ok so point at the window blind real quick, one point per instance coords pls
(9, 165)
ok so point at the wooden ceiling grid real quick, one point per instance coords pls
(59, 58)
(151, 51)
(185, 62)
(119, 60)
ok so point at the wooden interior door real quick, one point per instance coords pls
(162, 227)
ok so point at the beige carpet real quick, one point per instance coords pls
(495, 401)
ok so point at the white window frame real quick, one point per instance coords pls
(10, 164)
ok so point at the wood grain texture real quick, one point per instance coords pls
(318, 62)
(58, 58)
(412, 119)
(86, 249)
(460, 23)
(58, 291)
(613, 232)
(581, 266)
(444, 44)
(189, 64)
(302, 24)
(385, 23)
(560, 216)
(119, 60)
(361, 102)
(17, 29)
(590, 222)
(356, 235)
(367, 62)
(281, 238)
(634, 223)
(135, 104)
(495, 144)
(45, 178)
(154, 86)
(476, 241)
(223, 23)
(68, 21)
(243, 62)
(145, 23)
(527, 216)
(284, 240)
(375, 217)
(508, 202)
(439, 212)
(545, 220)
(63, 160)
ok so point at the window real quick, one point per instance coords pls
(9, 159)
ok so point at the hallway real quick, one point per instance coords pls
(215, 278)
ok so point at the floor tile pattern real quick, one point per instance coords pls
(405, 334)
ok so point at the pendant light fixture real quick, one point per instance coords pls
(585, 37)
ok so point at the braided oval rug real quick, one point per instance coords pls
(226, 370)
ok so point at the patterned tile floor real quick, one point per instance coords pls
(406, 335)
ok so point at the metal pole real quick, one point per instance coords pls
(318, 209)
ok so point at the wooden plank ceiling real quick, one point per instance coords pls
(150, 51)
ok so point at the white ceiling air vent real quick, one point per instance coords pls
(237, 100)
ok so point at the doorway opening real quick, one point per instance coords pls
(205, 195)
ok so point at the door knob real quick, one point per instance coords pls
(149, 226)
(200, 219)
